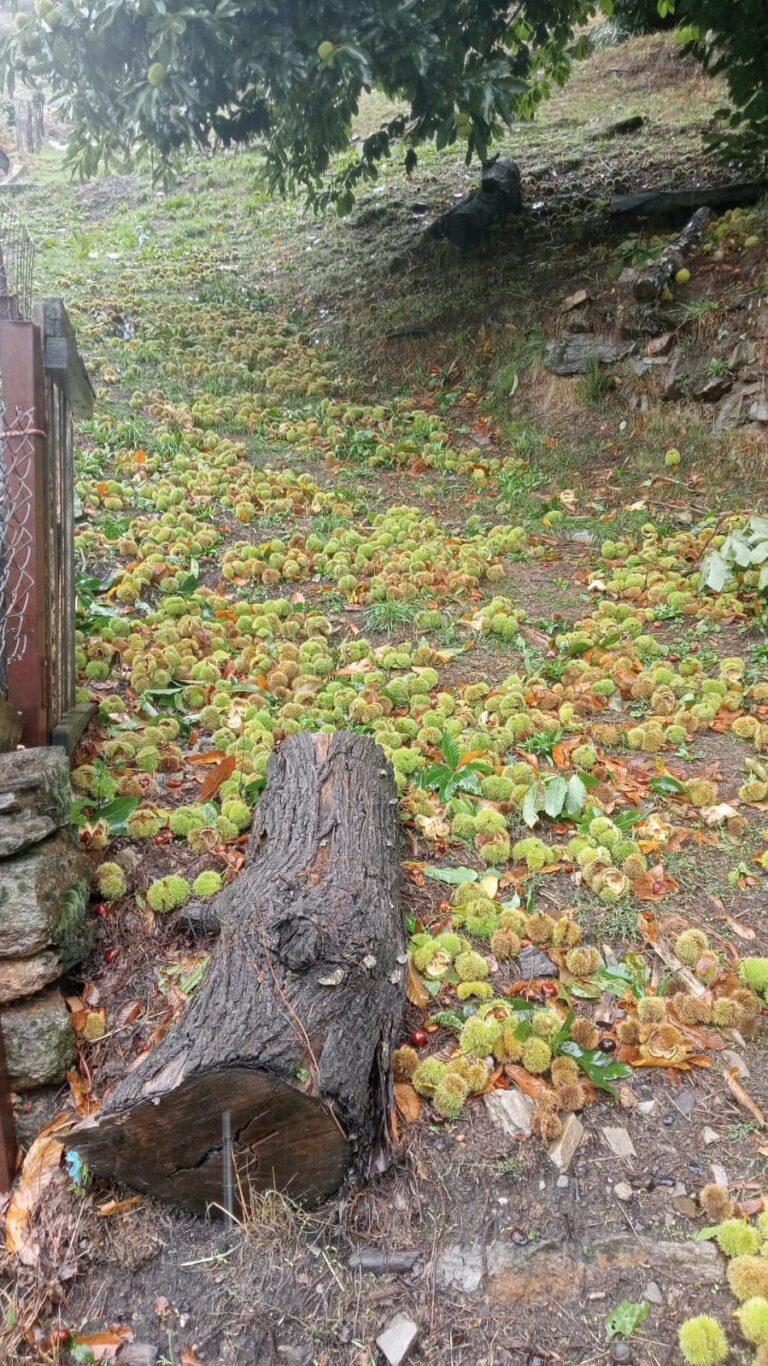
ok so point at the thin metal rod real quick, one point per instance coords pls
(228, 1194)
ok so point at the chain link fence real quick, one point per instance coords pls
(17, 455)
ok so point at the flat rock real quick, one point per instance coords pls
(575, 300)
(33, 1110)
(615, 128)
(36, 797)
(511, 1111)
(623, 1191)
(43, 895)
(535, 963)
(720, 1175)
(652, 1293)
(21, 977)
(573, 354)
(711, 390)
(661, 345)
(685, 1102)
(709, 1136)
(461, 1267)
(562, 1151)
(734, 409)
(39, 1041)
(619, 1141)
(398, 1339)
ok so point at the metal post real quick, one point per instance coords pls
(8, 1149)
(23, 441)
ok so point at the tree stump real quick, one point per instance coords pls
(286, 1044)
(468, 223)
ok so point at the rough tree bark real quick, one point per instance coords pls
(468, 223)
(648, 282)
(291, 1031)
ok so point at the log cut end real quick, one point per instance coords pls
(175, 1146)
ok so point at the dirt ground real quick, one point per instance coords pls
(517, 1255)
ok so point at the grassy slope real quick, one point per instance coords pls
(254, 423)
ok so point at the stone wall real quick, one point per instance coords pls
(44, 929)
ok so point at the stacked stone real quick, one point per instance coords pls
(44, 930)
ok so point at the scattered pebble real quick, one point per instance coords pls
(623, 1191)
(619, 1141)
(397, 1339)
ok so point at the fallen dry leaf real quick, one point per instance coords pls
(216, 777)
(654, 885)
(433, 827)
(415, 989)
(111, 1207)
(40, 1166)
(105, 1346)
(407, 1101)
(743, 1097)
(743, 931)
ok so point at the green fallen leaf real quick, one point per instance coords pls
(666, 783)
(456, 877)
(625, 1318)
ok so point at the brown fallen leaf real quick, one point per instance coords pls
(40, 1166)
(189, 1357)
(743, 931)
(407, 1101)
(415, 989)
(529, 1085)
(654, 885)
(216, 777)
(209, 756)
(105, 1346)
(111, 1207)
(743, 1097)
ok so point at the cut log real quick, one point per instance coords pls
(286, 1044)
(648, 282)
(468, 223)
(673, 205)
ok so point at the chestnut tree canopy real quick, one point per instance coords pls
(155, 77)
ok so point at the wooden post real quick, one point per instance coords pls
(7, 1130)
(23, 452)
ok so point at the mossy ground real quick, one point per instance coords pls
(299, 519)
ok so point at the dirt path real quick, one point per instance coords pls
(299, 524)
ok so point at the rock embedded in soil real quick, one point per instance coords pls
(39, 1041)
(511, 1111)
(614, 128)
(535, 963)
(398, 1339)
(33, 1110)
(43, 896)
(575, 353)
(461, 1267)
(563, 1150)
(619, 1141)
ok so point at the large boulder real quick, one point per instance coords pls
(35, 797)
(43, 898)
(39, 1041)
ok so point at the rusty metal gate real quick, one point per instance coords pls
(43, 387)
